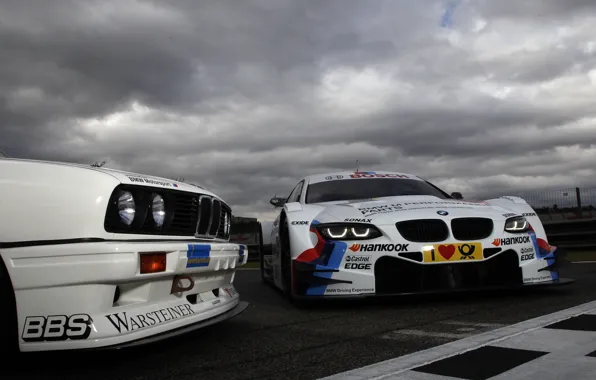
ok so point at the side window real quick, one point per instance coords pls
(295, 194)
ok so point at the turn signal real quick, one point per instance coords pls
(153, 262)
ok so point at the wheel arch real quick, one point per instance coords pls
(9, 317)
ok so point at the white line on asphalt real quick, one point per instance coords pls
(393, 367)
(462, 323)
(433, 334)
(584, 262)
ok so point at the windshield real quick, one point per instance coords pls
(352, 189)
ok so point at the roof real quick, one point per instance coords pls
(322, 177)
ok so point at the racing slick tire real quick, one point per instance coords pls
(262, 259)
(286, 261)
(262, 264)
(8, 318)
(286, 269)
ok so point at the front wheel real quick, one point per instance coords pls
(286, 261)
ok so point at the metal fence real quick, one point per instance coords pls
(572, 203)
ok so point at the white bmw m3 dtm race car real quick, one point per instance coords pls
(386, 233)
(92, 257)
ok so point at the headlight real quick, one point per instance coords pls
(126, 207)
(343, 231)
(158, 208)
(517, 224)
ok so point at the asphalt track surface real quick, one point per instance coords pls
(274, 340)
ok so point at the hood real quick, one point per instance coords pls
(392, 209)
(124, 177)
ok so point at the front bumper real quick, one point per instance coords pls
(391, 274)
(92, 295)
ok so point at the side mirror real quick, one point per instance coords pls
(278, 202)
(457, 195)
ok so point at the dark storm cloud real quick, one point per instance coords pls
(247, 97)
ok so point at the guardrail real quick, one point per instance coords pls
(568, 215)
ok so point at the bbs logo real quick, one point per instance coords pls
(57, 328)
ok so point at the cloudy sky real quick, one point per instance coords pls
(246, 97)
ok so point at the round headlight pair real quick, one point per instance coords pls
(127, 208)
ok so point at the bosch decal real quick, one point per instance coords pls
(126, 323)
(57, 328)
(374, 175)
(508, 215)
(379, 247)
(511, 241)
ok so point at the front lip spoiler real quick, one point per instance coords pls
(559, 282)
(242, 305)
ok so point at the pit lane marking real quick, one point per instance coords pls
(393, 368)
(468, 329)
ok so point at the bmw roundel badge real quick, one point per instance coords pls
(441, 212)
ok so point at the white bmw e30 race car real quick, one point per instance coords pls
(386, 233)
(96, 258)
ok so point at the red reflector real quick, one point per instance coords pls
(153, 262)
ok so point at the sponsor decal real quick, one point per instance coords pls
(453, 252)
(126, 323)
(528, 256)
(358, 220)
(57, 328)
(442, 212)
(299, 223)
(198, 255)
(529, 214)
(216, 302)
(510, 241)
(509, 215)
(407, 206)
(538, 279)
(379, 247)
(349, 290)
(145, 180)
(331, 177)
(526, 253)
(358, 262)
(369, 211)
(231, 291)
(375, 175)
